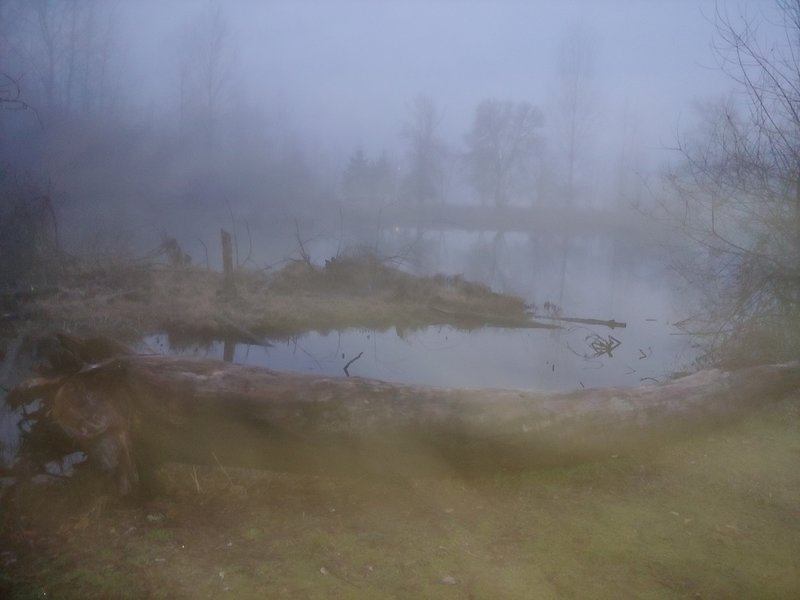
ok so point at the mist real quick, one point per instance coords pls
(412, 299)
(258, 108)
(536, 149)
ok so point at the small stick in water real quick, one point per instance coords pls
(352, 360)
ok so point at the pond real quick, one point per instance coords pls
(597, 277)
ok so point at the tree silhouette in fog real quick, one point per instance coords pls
(503, 139)
(206, 72)
(426, 151)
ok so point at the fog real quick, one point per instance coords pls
(523, 145)
(274, 98)
(350, 124)
(343, 72)
(510, 289)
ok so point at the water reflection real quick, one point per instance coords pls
(595, 276)
(488, 357)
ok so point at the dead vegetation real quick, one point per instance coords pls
(707, 517)
(128, 299)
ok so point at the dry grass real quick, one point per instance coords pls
(129, 301)
(715, 516)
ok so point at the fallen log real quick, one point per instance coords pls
(476, 319)
(130, 412)
(610, 323)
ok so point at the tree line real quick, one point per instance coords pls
(66, 59)
(499, 158)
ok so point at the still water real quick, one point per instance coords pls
(595, 277)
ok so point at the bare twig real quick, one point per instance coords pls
(249, 256)
(224, 471)
(303, 254)
(205, 248)
(233, 230)
(10, 96)
(350, 362)
(196, 480)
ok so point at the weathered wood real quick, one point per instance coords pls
(144, 409)
(481, 319)
(611, 324)
(227, 262)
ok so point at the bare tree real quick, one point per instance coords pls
(426, 151)
(575, 108)
(10, 95)
(10, 23)
(68, 48)
(503, 138)
(738, 191)
(369, 182)
(207, 69)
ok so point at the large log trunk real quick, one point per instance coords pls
(138, 409)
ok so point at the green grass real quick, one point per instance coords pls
(715, 516)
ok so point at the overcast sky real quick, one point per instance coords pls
(345, 71)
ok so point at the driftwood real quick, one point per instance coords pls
(128, 412)
(228, 287)
(494, 320)
(610, 323)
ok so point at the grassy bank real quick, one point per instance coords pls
(716, 516)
